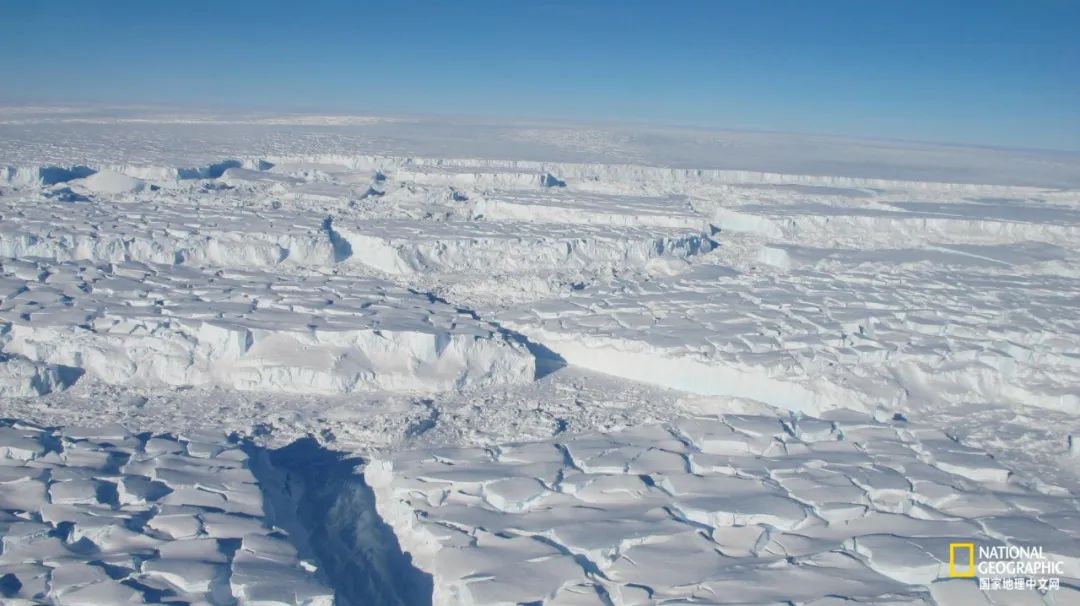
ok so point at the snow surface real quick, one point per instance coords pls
(96, 515)
(725, 510)
(408, 361)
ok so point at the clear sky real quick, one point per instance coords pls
(990, 72)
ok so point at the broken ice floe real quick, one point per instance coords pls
(20, 377)
(93, 516)
(736, 509)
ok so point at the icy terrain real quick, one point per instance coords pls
(713, 510)
(266, 359)
(101, 516)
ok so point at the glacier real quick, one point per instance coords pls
(299, 359)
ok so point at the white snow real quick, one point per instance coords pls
(576, 365)
(109, 182)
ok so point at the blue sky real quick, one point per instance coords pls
(1004, 73)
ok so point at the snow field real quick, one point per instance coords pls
(245, 216)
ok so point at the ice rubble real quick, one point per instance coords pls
(93, 516)
(132, 323)
(733, 509)
(30, 175)
(20, 377)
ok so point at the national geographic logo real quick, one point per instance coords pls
(1010, 567)
(962, 560)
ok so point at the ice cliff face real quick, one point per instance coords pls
(403, 247)
(145, 325)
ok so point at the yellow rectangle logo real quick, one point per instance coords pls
(968, 570)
